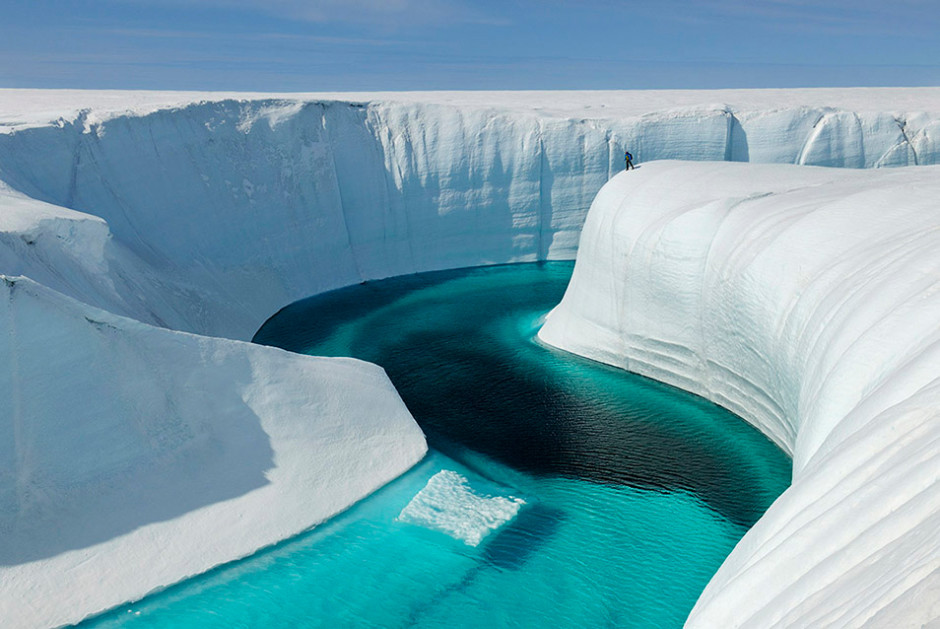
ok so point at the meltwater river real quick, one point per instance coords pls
(558, 491)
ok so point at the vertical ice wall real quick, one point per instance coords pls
(807, 301)
(240, 207)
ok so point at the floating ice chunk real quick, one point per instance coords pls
(448, 504)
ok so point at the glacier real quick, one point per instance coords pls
(807, 301)
(145, 235)
(232, 207)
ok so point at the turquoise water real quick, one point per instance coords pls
(634, 492)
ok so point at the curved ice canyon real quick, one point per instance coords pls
(807, 301)
(139, 232)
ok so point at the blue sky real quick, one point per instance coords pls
(297, 45)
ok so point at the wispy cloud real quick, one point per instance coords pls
(387, 13)
(180, 34)
(836, 16)
(897, 17)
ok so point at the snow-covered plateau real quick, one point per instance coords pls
(140, 231)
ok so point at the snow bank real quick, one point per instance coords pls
(136, 456)
(806, 300)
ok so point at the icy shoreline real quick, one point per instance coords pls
(807, 301)
(139, 456)
(205, 213)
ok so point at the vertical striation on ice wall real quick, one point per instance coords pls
(238, 207)
(807, 301)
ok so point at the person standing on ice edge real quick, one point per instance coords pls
(629, 159)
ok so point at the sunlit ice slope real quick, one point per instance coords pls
(807, 300)
(135, 456)
(127, 218)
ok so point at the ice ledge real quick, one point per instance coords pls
(135, 457)
(806, 300)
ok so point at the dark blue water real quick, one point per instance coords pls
(615, 498)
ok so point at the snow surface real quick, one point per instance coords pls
(806, 300)
(137, 456)
(137, 215)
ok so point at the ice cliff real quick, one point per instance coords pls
(129, 219)
(234, 208)
(807, 301)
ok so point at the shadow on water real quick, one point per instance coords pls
(509, 548)
(454, 345)
(541, 428)
(513, 544)
(635, 491)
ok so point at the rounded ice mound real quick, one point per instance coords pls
(449, 504)
(131, 446)
(807, 301)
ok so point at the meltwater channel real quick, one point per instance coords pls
(558, 491)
